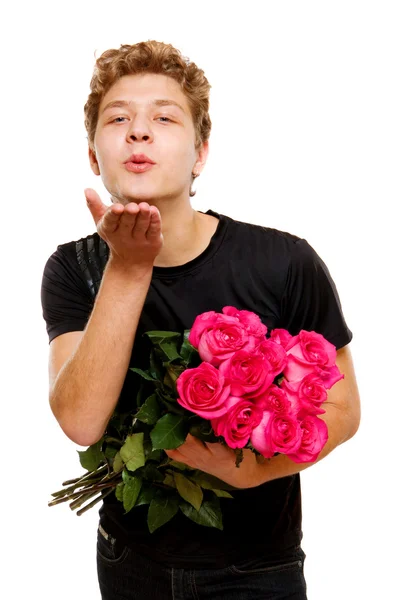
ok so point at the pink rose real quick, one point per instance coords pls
(275, 400)
(276, 433)
(314, 437)
(306, 351)
(306, 396)
(201, 323)
(275, 354)
(237, 424)
(329, 376)
(249, 374)
(222, 339)
(203, 391)
(251, 322)
(281, 336)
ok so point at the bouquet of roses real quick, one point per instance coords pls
(222, 381)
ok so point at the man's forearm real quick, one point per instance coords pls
(88, 386)
(340, 429)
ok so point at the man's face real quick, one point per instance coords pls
(133, 120)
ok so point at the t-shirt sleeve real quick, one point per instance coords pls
(66, 299)
(310, 300)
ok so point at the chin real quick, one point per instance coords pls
(124, 195)
(149, 195)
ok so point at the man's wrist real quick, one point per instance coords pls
(118, 266)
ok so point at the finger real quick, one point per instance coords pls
(175, 455)
(95, 205)
(143, 219)
(154, 229)
(112, 218)
(195, 442)
(130, 215)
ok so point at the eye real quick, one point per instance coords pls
(116, 120)
(170, 120)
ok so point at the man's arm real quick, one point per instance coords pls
(84, 389)
(85, 385)
(342, 418)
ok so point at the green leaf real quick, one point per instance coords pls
(147, 447)
(191, 492)
(170, 349)
(130, 492)
(91, 458)
(146, 495)
(151, 473)
(178, 465)
(161, 510)
(156, 368)
(132, 452)
(155, 455)
(145, 388)
(125, 476)
(202, 429)
(150, 411)
(209, 482)
(167, 341)
(169, 480)
(142, 373)
(172, 406)
(222, 494)
(169, 432)
(110, 453)
(157, 337)
(209, 514)
(172, 373)
(188, 352)
(119, 491)
(118, 463)
(116, 423)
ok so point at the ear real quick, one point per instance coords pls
(201, 158)
(93, 161)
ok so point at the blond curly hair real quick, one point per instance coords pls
(150, 57)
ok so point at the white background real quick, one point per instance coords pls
(305, 110)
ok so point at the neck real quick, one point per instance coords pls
(181, 227)
(186, 232)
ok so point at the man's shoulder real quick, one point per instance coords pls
(264, 232)
(89, 241)
(83, 258)
(90, 249)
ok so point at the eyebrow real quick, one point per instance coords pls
(156, 102)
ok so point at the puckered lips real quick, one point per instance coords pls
(139, 163)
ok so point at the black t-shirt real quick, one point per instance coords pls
(272, 273)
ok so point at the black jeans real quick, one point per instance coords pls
(126, 575)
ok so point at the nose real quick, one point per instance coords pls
(139, 130)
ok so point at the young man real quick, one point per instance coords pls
(156, 263)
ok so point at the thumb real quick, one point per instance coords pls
(95, 205)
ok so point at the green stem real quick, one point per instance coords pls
(116, 440)
(59, 501)
(79, 501)
(78, 484)
(86, 482)
(84, 492)
(94, 485)
(87, 475)
(80, 512)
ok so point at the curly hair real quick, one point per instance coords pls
(157, 58)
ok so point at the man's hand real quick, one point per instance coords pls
(132, 232)
(219, 461)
